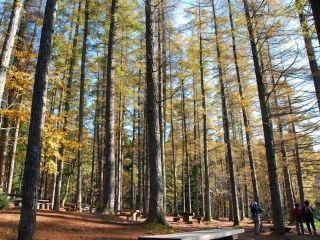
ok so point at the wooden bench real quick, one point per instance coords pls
(44, 204)
(210, 234)
(187, 216)
(132, 215)
(69, 207)
(176, 219)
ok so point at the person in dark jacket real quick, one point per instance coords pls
(308, 216)
(298, 219)
(256, 216)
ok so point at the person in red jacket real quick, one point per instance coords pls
(298, 218)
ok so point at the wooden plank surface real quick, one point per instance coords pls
(209, 234)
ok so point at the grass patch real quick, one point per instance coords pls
(159, 228)
(317, 223)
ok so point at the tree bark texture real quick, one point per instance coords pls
(27, 222)
(109, 179)
(155, 214)
(267, 130)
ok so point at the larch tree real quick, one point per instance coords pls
(5, 57)
(267, 128)
(66, 109)
(155, 213)
(109, 182)
(27, 222)
(8, 45)
(207, 197)
(245, 114)
(314, 68)
(81, 102)
(226, 128)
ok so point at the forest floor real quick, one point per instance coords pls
(69, 226)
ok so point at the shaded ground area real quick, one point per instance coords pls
(67, 226)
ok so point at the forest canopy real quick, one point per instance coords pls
(160, 105)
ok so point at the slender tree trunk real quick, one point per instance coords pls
(109, 180)
(119, 156)
(13, 155)
(267, 129)
(315, 5)
(31, 171)
(174, 161)
(164, 97)
(297, 157)
(226, 128)
(244, 111)
(81, 103)
(132, 193)
(186, 151)
(9, 43)
(315, 71)
(140, 157)
(3, 147)
(155, 214)
(67, 100)
(207, 201)
(283, 149)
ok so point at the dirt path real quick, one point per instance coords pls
(69, 226)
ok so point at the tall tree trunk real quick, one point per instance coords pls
(132, 192)
(315, 71)
(3, 147)
(186, 151)
(109, 180)
(118, 197)
(173, 153)
(164, 96)
(315, 5)
(66, 111)
(267, 129)
(13, 155)
(297, 157)
(155, 214)
(207, 201)
(227, 139)
(244, 111)
(81, 103)
(27, 222)
(140, 151)
(8, 44)
(283, 148)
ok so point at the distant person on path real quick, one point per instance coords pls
(298, 218)
(308, 216)
(256, 216)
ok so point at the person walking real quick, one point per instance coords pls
(256, 216)
(298, 219)
(308, 217)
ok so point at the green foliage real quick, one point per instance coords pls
(4, 201)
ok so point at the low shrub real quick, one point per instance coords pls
(4, 201)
